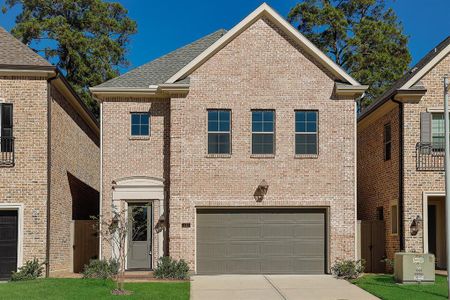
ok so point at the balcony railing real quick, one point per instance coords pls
(430, 157)
(6, 151)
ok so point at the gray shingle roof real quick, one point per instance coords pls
(14, 52)
(399, 83)
(161, 69)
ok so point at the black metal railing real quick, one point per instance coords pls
(6, 151)
(430, 157)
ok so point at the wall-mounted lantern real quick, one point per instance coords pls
(261, 191)
(415, 225)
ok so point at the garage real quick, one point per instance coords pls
(8, 243)
(261, 241)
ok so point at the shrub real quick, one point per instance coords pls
(169, 268)
(102, 269)
(31, 270)
(348, 269)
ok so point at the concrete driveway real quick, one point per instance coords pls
(275, 287)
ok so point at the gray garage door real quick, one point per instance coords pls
(261, 241)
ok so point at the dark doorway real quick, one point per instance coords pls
(8, 243)
(432, 229)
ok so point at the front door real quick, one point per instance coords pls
(139, 236)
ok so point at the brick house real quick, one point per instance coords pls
(241, 146)
(49, 161)
(400, 159)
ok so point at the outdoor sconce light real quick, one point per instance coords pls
(415, 225)
(261, 191)
(161, 224)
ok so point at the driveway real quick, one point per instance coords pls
(275, 287)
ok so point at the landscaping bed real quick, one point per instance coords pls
(384, 287)
(64, 288)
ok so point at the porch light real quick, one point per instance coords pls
(261, 191)
(415, 225)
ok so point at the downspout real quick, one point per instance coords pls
(400, 174)
(49, 149)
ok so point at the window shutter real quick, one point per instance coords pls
(6, 110)
(425, 128)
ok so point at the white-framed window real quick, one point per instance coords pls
(263, 131)
(437, 131)
(394, 218)
(140, 124)
(306, 132)
(219, 131)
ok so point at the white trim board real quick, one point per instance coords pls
(425, 197)
(266, 11)
(19, 208)
(425, 69)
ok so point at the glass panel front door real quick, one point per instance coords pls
(139, 236)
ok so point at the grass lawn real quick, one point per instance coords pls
(59, 288)
(384, 287)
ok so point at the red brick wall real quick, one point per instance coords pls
(26, 182)
(378, 180)
(418, 182)
(125, 156)
(262, 69)
(74, 152)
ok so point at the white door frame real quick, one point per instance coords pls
(425, 197)
(141, 189)
(19, 208)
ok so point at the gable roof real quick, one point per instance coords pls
(161, 69)
(14, 52)
(171, 71)
(265, 11)
(411, 80)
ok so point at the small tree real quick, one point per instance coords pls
(115, 231)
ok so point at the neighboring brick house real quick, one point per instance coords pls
(49, 161)
(400, 159)
(244, 145)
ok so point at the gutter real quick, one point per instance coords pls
(400, 175)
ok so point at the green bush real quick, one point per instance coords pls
(169, 268)
(348, 269)
(102, 269)
(31, 270)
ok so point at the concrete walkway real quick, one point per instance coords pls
(275, 287)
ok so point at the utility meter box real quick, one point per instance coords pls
(414, 267)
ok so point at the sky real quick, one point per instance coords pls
(164, 25)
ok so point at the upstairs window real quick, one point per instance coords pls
(6, 127)
(140, 124)
(437, 131)
(219, 131)
(306, 132)
(263, 132)
(387, 140)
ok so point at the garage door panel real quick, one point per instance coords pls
(244, 233)
(244, 250)
(308, 230)
(272, 241)
(309, 247)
